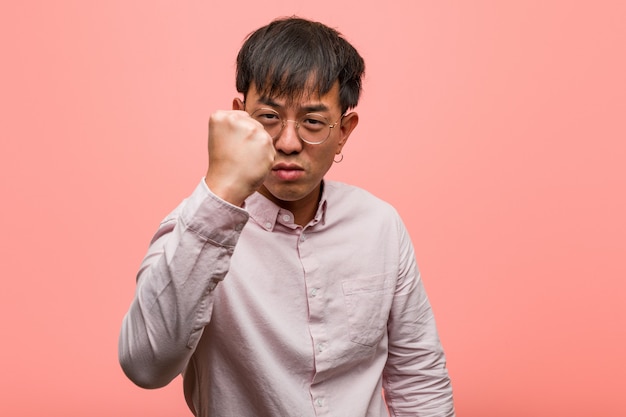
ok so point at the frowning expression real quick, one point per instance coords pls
(299, 167)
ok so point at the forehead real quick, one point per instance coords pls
(308, 97)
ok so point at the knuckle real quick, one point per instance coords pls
(216, 118)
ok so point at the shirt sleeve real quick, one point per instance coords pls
(187, 257)
(415, 379)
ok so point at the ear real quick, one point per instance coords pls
(238, 104)
(347, 125)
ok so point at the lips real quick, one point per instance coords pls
(287, 172)
(287, 167)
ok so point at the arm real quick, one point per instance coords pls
(191, 253)
(187, 257)
(416, 380)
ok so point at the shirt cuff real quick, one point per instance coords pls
(213, 218)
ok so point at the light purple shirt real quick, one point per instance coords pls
(308, 321)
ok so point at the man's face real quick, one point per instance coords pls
(299, 167)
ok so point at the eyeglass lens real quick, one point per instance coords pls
(312, 128)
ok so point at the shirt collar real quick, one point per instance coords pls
(266, 214)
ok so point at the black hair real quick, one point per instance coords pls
(291, 57)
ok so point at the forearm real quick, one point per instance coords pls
(187, 258)
(416, 379)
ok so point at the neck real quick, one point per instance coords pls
(303, 210)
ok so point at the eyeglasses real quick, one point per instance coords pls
(312, 128)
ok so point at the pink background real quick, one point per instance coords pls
(496, 128)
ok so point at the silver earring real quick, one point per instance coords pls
(340, 159)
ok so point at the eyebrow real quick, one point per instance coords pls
(308, 108)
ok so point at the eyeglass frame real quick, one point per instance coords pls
(283, 123)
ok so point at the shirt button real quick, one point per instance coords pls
(321, 347)
(268, 225)
(239, 227)
(319, 402)
(313, 292)
(286, 217)
(302, 238)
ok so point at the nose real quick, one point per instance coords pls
(288, 141)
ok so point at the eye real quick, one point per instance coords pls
(266, 117)
(314, 122)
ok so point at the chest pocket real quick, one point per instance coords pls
(368, 301)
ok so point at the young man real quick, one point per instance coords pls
(321, 307)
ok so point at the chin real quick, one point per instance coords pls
(286, 196)
(285, 193)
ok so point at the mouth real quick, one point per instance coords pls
(287, 172)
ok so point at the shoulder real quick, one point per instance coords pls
(366, 219)
(355, 200)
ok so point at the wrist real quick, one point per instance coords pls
(231, 194)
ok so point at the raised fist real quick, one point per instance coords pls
(241, 154)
